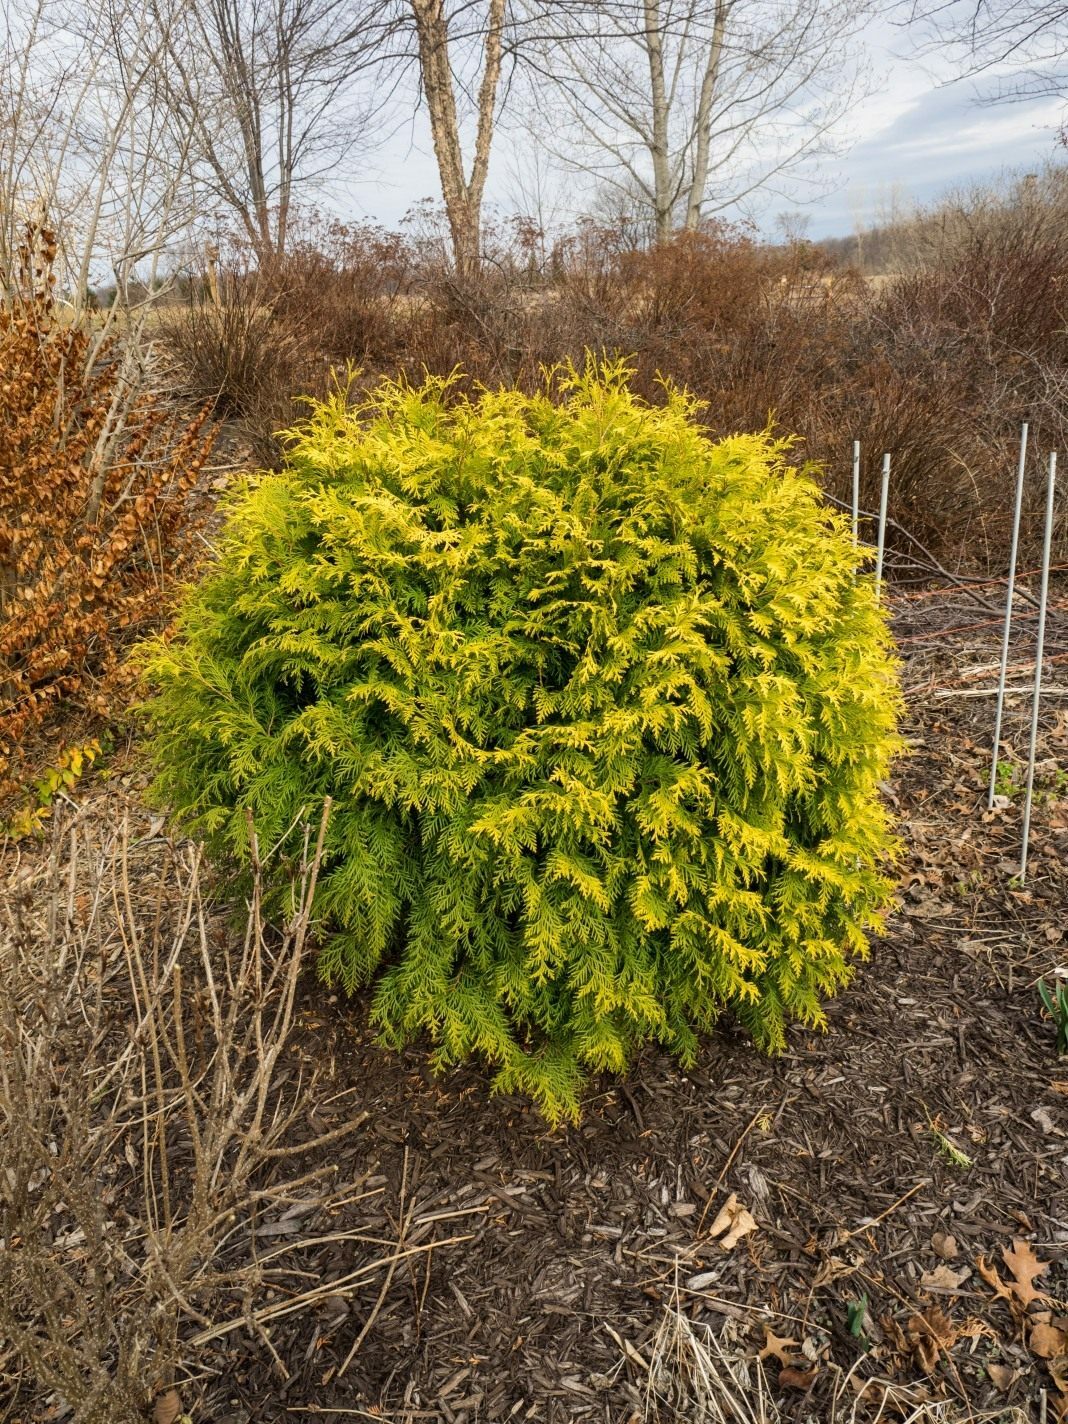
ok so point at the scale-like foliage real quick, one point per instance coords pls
(602, 705)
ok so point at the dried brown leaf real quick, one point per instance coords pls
(930, 1334)
(831, 1269)
(990, 1274)
(943, 1278)
(1025, 1266)
(895, 1336)
(1047, 1341)
(945, 1246)
(791, 1378)
(734, 1219)
(783, 1350)
(1001, 1376)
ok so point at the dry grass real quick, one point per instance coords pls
(697, 1374)
(149, 1114)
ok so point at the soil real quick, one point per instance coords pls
(899, 1169)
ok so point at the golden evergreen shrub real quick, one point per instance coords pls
(602, 705)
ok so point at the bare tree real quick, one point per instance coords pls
(279, 94)
(84, 150)
(693, 105)
(442, 53)
(1021, 45)
(468, 54)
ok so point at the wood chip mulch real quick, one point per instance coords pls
(902, 1169)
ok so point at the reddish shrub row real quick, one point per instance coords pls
(939, 364)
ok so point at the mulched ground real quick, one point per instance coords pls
(907, 1171)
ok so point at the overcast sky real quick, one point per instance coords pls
(913, 138)
(919, 136)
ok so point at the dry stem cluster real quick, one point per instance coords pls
(146, 1122)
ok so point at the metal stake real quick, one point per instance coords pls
(883, 493)
(1043, 599)
(1008, 615)
(856, 493)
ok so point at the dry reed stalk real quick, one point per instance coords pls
(145, 1121)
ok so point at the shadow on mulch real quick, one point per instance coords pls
(887, 1164)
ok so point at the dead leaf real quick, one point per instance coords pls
(945, 1246)
(1045, 1122)
(735, 1220)
(791, 1378)
(780, 1348)
(989, 1274)
(167, 1408)
(1025, 1266)
(930, 1334)
(1001, 1376)
(831, 1269)
(895, 1336)
(943, 1278)
(1047, 1342)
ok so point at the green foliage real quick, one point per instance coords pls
(1056, 1005)
(603, 708)
(29, 819)
(857, 1320)
(1005, 782)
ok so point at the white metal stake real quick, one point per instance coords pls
(1043, 599)
(883, 493)
(856, 493)
(1014, 546)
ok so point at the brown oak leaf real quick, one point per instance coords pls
(1047, 1341)
(783, 1350)
(1025, 1266)
(990, 1274)
(930, 1334)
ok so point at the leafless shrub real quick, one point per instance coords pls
(144, 1119)
(938, 364)
(229, 351)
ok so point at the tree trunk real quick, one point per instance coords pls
(703, 119)
(663, 197)
(462, 196)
